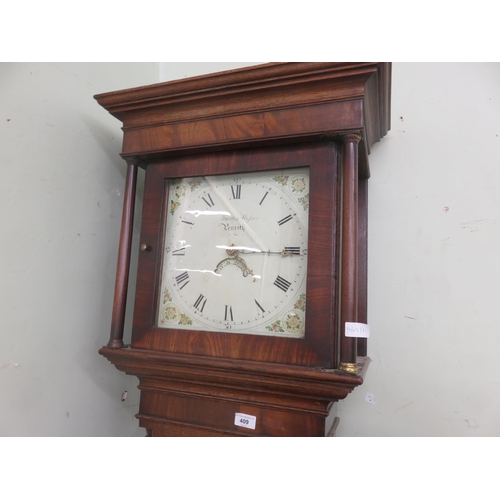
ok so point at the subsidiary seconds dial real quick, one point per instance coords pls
(235, 253)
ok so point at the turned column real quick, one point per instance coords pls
(123, 264)
(349, 273)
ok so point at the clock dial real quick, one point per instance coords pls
(235, 253)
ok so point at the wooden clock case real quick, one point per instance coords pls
(281, 115)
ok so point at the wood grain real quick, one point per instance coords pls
(123, 263)
(185, 395)
(261, 118)
(319, 346)
(349, 257)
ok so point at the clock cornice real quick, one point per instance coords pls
(254, 106)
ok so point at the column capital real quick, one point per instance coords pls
(353, 137)
(133, 160)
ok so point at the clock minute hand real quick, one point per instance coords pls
(286, 252)
(234, 251)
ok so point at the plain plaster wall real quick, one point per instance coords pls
(60, 211)
(434, 272)
(433, 246)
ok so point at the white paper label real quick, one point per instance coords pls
(244, 420)
(359, 330)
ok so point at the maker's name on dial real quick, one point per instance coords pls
(242, 217)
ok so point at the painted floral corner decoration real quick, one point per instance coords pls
(299, 186)
(180, 190)
(300, 305)
(194, 183)
(294, 322)
(304, 201)
(170, 312)
(275, 327)
(174, 205)
(281, 179)
(184, 320)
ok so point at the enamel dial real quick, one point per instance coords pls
(235, 253)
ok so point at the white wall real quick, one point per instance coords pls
(60, 211)
(176, 71)
(433, 266)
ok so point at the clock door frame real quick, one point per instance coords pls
(320, 345)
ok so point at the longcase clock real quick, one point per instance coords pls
(253, 245)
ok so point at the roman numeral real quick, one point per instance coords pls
(285, 220)
(209, 202)
(179, 251)
(236, 190)
(263, 198)
(293, 250)
(259, 306)
(200, 302)
(183, 277)
(228, 315)
(282, 283)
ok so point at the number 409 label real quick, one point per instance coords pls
(244, 420)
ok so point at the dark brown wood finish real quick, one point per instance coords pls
(279, 115)
(123, 263)
(349, 256)
(198, 396)
(319, 346)
(270, 103)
